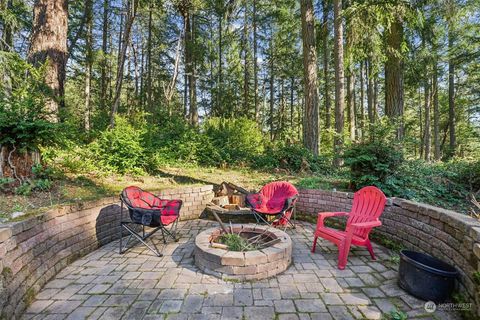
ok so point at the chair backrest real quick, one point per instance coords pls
(368, 205)
(275, 193)
(135, 197)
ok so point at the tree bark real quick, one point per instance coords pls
(370, 100)
(272, 90)
(394, 95)
(149, 60)
(426, 126)
(350, 86)
(339, 83)
(326, 56)
(310, 76)
(361, 122)
(104, 63)
(88, 61)
(131, 14)
(192, 82)
(255, 64)
(7, 43)
(246, 75)
(436, 114)
(49, 44)
(451, 93)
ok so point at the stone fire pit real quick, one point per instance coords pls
(248, 265)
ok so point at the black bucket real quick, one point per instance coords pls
(426, 277)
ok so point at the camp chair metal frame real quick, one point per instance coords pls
(289, 206)
(143, 237)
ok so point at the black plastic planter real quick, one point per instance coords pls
(426, 277)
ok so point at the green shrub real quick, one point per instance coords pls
(237, 140)
(293, 157)
(23, 116)
(120, 149)
(374, 163)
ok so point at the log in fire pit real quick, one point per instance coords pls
(264, 252)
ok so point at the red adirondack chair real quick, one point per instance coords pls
(368, 205)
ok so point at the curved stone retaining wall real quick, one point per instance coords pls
(34, 250)
(448, 235)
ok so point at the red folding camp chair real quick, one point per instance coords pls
(368, 205)
(276, 199)
(147, 210)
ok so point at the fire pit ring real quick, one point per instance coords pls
(248, 265)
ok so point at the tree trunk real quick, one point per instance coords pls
(326, 56)
(339, 83)
(310, 76)
(246, 76)
(272, 91)
(451, 93)
(420, 122)
(394, 96)
(192, 83)
(220, 66)
(426, 126)
(104, 63)
(436, 113)
(370, 112)
(350, 85)
(149, 60)
(255, 63)
(131, 14)
(49, 44)
(88, 60)
(362, 100)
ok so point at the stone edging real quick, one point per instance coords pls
(250, 265)
(33, 251)
(448, 235)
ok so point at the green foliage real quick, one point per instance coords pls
(293, 157)
(42, 181)
(396, 314)
(374, 163)
(234, 242)
(236, 140)
(120, 149)
(23, 117)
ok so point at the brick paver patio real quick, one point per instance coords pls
(139, 285)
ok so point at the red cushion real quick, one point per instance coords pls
(168, 219)
(138, 198)
(273, 197)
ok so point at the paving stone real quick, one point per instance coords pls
(219, 300)
(81, 313)
(340, 313)
(113, 313)
(354, 298)
(271, 294)
(331, 299)
(310, 305)
(119, 300)
(331, 285)
(243, 297)
(385, 305)
(259, 313)
(63, 306)
(320, 316)
(95, 300)
(232, 313)
(284, 306)
(38, 306)
(170, 306)
(288, 316)
(370, 312)
(192, 303)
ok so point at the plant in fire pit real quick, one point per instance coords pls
(235, 242)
